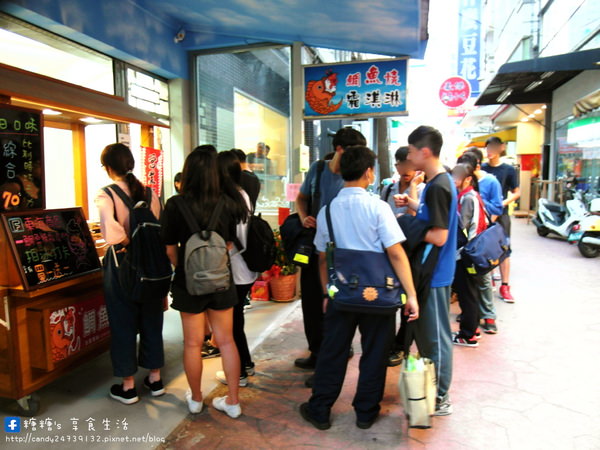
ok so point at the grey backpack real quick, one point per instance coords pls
(206, 260)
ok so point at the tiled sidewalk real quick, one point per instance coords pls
(534, 385)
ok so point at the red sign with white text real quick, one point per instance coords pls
(455, 91)
(153, 168)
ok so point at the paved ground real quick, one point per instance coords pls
(534, 385)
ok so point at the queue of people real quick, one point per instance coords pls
(219, 193)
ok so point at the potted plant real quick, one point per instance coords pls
(282, 274)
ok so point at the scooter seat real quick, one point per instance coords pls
(555, 207)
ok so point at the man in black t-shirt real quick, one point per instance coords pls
(507, 176)
(249, 181)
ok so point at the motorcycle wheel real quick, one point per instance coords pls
(542, 231)
(588, 250)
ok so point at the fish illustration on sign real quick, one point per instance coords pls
(320, 93)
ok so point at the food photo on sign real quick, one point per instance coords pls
(364, 88)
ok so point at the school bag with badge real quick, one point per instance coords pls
(145, 271)
(361, 281)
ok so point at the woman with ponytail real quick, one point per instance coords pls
(125, 316)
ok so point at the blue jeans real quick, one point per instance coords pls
(486, 299)
(434, 337)
(126, 319)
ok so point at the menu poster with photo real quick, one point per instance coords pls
(21, 159)
(50, 246)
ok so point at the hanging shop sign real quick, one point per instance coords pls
(153, 169)
(50, 246)
(469, 43)
(21, 159)
(454, 92)
(368, 88)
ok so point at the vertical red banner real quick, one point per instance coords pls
(152, 159)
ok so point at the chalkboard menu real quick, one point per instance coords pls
(51, 245)
(21, 159)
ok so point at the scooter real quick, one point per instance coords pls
(555, 218)
(586, 234)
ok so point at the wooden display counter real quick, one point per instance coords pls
(53, 317)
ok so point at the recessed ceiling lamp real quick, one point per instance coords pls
(546, 75)
(51, 112)
(531, 116)
(544, 107)
(505, 93)
(90, 120)
(538, 111)
(525, 119)
(532, 85)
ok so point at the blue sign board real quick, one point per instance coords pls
(469, 43)
(365, 88)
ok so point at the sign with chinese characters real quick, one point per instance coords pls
(78, 326)
(366, 88)
(469, 43)
(50, 246)
(454, 92)
(21, 159)
(152, 160)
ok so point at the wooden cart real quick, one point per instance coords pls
(53, 317)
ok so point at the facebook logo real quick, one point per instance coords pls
(12, 424)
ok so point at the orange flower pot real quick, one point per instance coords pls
(283, 288)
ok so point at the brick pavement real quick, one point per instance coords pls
(534, 385)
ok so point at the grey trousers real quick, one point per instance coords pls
(434, 337)
(486, 299)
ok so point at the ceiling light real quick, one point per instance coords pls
(531, 116)
(544, 106)
(90, 120)
(537, 111)
(546, 75)
(525, 119)
(51, 112)
(505, 93)
(532, 85)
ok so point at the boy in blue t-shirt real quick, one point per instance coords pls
(438, 208)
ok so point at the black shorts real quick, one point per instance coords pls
(196, 304)
(504, 220)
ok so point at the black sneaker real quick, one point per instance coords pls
(366, 425)
(306, 363)
(489, 326)
(128, 397)
(157, 389)
(250, 369)
(210, 351)
(459, 339)
(395, 358)
(306, 415)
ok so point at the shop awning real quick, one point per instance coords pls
(587, 104)
(509, 134)
(47, 92)
(395, 28)
(533, 80)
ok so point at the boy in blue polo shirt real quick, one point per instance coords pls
(438, 208)
(361, 222)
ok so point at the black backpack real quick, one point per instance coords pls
(259, 253)
(145, 271)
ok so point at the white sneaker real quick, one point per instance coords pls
(233, 411)
(194, 406)
(221, 377)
